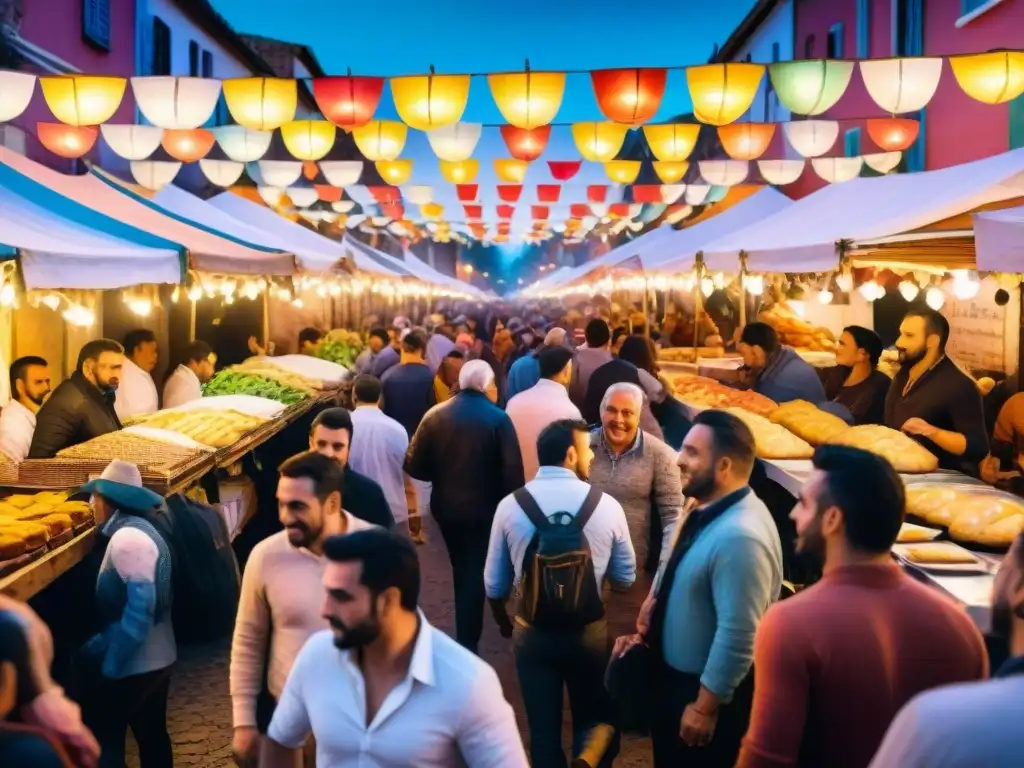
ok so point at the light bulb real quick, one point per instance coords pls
(909, 289)
(871, 290)
(825, 296)
(227, 288)
(755, 284)
(229, 299)
(335, 289)
(845, 282)
(195, 293)
(79, 315)
(719, 279)
(141, 307)
(51, 300)
(964, 286)
(935, 298)
(297, 303)
(7, 295)
(284, 294)
(321, 292)
(251, 290)
(176, 294)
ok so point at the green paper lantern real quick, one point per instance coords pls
(810, 87)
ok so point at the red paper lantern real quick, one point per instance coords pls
(526, 144)
(67, 140)
(563, 170)
(506, 211)
(328, 193)
(393, 210)
(541, 212)
(509, 193)
(385, 195)
(629, 96)
(504, 228)
(646, 193)
(474, 211)
(188, 145)
(596, 193)
(619, 210)
(347, 101)
(893, 133)
(548, 193)
(579, 210)
(467, 192)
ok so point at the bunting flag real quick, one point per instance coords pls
(562, 170)
(548, 193)
(467, 193)
(596, 193)
(510, 193)
(473, 211)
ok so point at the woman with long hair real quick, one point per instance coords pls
(669, 412)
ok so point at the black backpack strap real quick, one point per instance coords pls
(529, 505)
(589, 506)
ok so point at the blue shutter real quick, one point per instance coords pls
(834, 46)
(96, 23)
(851, 142)
(863, 29)
(966, 6)
(1017, 123)
(914, 158)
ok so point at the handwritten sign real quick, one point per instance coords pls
(977, 330)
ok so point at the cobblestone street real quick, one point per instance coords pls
(199, 715)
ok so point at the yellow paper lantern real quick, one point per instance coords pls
(599, 142)
(432, 210)
(510, 171)
(83, 99)
(461, 172)
(528, 99)
(381, 139)
(394, 172)
(261, 103)
(309, 139)
(622, 171)
(991, 78)
(672, 143)
(670, 172)
(721, 93)
(426, 102)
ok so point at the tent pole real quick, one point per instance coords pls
(192, 321)
(698, 309)
(647, 310)
(265, 327)
(743, 289)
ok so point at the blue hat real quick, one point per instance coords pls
(121, 484)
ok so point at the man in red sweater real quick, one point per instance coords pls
(835, 663)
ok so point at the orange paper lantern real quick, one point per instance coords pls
(670, 172)
(67, 140)
(672, 143)
(188, 145)
(425, 102)
(528, 99)
(622, 171)
(510, 171)
(599, 142)
(746, 141)
(629, 96)
(348, 102)
(721, 93)
(525, 144)
(893, 133)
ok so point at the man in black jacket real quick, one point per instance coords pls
(467, 449)
(82, 407)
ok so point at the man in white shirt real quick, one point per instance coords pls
(30, 386)
(136, 392)
(186, 383)
(544, 403)
(382, 686)
(281, 599)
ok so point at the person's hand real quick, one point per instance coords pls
(696, 727)
(416, 529)
(916, 426)
(54, 712)
(255, 348)
(245, 746)
(624, 643)
(643, 620)
(989, 469)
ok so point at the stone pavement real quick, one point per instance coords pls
(199, 714)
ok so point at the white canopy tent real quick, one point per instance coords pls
(427, 273)
(999, 240)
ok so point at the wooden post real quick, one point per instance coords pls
(646, 310)
(743, 289)
(192, 321)
(698, 307)
(265, 329)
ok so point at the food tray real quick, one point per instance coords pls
(138, 450)
(930, 531)
(980, 564)
(83, 527)
(61, 538)
(17, 563)
(59, 474)
(8, 472)
(961, 483)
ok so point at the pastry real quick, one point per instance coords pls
(19, 500)
(934, 504)
(772, 440)
(939, 554)
(33, 534)
(808, 422)
(904, 453)
(11, 547)
(56, 523)
(988, 519)
(79, 511)
(908, 535)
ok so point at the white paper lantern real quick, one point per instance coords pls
(836, 170)
(901, 85)
(343, 206)
(302, 197)
(674, 217)
(455, 142)
(279, 173)
(176, 102)
(599, 209)
(132, 142)
(671, 192)
(270, 195)
(315, 217)
(781, 172)
(418, 195)
(241, 144)
(697, 193)
(724, 173)
(223, 173)
(16, 90)
(342, 173)
(883, 162)
(812, 138)
(635, 209)
(154, 174)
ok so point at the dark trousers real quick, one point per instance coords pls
(23, 748)
(467, 550)
(673, 691)
(550, 661)
(138, 702)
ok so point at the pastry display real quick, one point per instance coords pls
(906, 455)
(48, 509)
(11, 546)
(935, 504)
(35, 535)
(796, 332)
(688, 355)
(773, 441)
(988, 519)
(939, 554)
(217, 429)
(141, 451)
(703, 393)
(808, 422)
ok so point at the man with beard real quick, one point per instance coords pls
(279, 607)
(724, 571)
(931, 399)
(975, 724)
(856, 646)
(569, 653)
(382, 686)
(30, 386)
(82, 407)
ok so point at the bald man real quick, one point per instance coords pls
(525, 372)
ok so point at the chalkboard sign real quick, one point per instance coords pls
(977, 330)
(96, 23)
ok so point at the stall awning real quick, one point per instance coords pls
(804, 236)
(428, 274)
(999, 240)
(62, 244)
(381, 259)
(207, 251)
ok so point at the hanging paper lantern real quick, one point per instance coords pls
(541, 212)
(241, 144)
(781, 172)
(597, 193)
(882, 162)
(510, 193)
(579, 210)
(474, 211)
(467, 193)
(746, 141)
(677, 213)
(526, 144)
(394, 172)
(836, 170)
(381, 139)
(724, 173)
(67, 140)
(622, 171)
(463, 172)
(629, 96)
(893, 133)
(270, 195)
(721, 93)
(810, 87)
(308, 139)
(599, 142)
(670, 172)
(991, 78)
(548, 193)
(418, 195)
(672, 143)
(343, 206)
(187, 145)
(455, 143)
(432, 210)
(302, 197)
(425, 102)
(222, 173)
(812, 138)
(341, 173)
(83, 99)
(154, 174)
(349, 101)
(901, 85)
(505, 211)
(261, 103)
(528, 99)
(176, 102)
(647, 193)
(562, 170)
(279, 173)
(696, 194)
(132, 142)
(671, 192)
(510, 171)
(16, 90)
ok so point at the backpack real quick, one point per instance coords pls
(204, 574)
(558, 589)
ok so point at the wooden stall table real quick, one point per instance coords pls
(33, 578)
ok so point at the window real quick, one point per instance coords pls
(161, 64)
(809, 47)
(96, 23)
(193, 58)
(914, 158)
(776, 52)
(851, 142)
(863, 29)
(907, 27)
(1017, 123)
(834, 47)
(207, 64)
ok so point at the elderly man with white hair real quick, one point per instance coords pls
(466, 448)
(525, 372)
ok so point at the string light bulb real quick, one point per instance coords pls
(871, 290)
(52, 300)
(7, 295)
(845, 282)
(825, 297)
(176, 294)
(909, 289)
(195, 293)
(79, 316)
(707, 286)
(965, 285)
(934, 298)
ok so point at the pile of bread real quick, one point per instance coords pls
(974, 515)
(29, 522)
(688, 354)
(702, 393)
(794, 331)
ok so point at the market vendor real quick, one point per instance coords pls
(136, 394)
(374, 346)
(309, 340)
(30, 386)
(82, 407)
(931, 399)
(186, 383)
(855, 382)
(775, 370)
